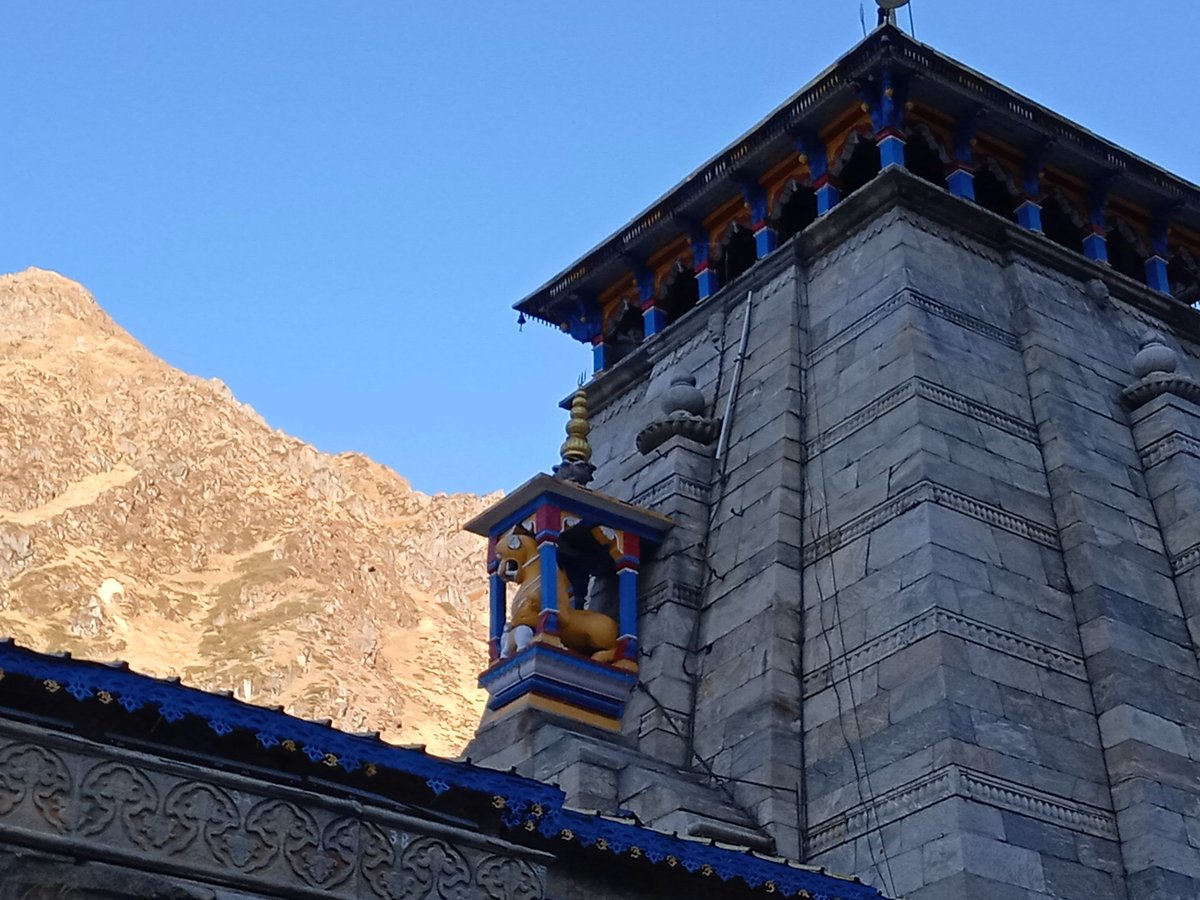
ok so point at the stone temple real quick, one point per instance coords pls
(894, 454)
(874, 549)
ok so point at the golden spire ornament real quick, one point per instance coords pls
(576, 452)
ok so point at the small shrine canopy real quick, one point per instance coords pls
(542, 488)
(889, 101)
(553, 539)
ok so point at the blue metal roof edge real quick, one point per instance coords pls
(525, 804)
(320, 743)
(705, 858)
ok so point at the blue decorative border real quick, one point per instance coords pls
(627, 839)
(555, 690)
(525, 805)
(320, 743)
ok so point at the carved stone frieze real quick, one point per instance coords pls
(1169, 446)
(507, 878)
(912, 389)
(928, 492)
(159, 820)
(37, 777)
(943, 621)
(431, 869)
(910, 297)
(119, 798)
(672, 484)
(958, 781)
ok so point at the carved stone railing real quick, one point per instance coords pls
(75, 799)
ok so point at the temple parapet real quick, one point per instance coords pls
(559, 644)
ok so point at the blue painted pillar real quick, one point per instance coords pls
(627, 580)
(498, 598)
(1029, 213)
(815, 155)
(961, 179)
(891, 147)
(885, 102)
(599, 354)
(1156, 264)
(1095, 243)
(766, 238)
(828, 194)
(548, 552)
(654, 319)
(548, 522)
(627, 583)
(706, 276)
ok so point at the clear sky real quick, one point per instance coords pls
(333, 206)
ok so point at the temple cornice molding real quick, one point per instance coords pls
(937, 82)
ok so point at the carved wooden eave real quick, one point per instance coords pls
(935, 81)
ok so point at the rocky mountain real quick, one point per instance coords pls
(147, 515)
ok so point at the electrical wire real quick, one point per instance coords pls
(693, 648)
(861, 776)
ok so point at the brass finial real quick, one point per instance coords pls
(576, 447)
(576, 452)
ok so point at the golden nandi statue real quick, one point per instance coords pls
(582, 630)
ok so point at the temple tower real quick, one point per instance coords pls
(897, 396)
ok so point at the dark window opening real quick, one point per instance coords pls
(738, 254)
(589, 569)
(1184, 281)
(923, 160)
(681, 295)
(797, 213)
(628, 331)
(1124, 257)
(861, 167)
(991, 192)
(1059, 226)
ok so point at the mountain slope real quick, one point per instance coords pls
(147, 515)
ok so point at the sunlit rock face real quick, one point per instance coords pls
(147, 515)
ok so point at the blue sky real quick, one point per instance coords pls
(333, 206)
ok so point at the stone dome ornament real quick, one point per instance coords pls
(683, 405)
(1155, 356)
(1155, 366)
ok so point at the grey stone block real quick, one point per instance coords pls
(1161, 884)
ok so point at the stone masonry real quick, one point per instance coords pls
(932, 618)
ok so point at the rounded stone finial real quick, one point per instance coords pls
(1097, 291)
(576, 451)
(1155, 356)
(682, 397)
(576, 447)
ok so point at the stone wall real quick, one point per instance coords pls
(927, 621)
(80, 820)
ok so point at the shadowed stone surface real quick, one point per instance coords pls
(932, 619)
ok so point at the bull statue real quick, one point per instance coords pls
(584, 631)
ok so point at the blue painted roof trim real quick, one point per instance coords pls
(320, 743)
(557, 300)
(704, 858)
(526, 805)
(575, 506)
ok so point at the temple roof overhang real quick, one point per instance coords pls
(825, 110)
(107, 703)
(543, 488)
